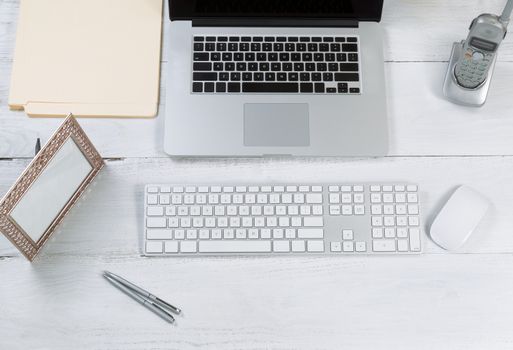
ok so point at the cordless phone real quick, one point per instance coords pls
(470, 70)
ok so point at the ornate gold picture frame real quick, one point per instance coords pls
(70, 130)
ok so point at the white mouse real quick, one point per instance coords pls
(458, 218)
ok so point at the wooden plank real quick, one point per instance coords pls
(108, 221)
(413, 30)
(426, 302)
(421, 121)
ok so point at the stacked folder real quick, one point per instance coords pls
(93, 58)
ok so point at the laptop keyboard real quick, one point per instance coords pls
(276, 64)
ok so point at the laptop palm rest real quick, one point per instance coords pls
(276, 125)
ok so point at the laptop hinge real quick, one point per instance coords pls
(274, 22)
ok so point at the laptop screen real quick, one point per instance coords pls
(363, 10)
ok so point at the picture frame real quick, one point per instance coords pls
(68, 135)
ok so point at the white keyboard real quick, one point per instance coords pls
(281, 219)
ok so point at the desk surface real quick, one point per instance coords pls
(437, 300)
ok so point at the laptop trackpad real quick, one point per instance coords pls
(276, 124)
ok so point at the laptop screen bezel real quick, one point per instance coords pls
(183, 10)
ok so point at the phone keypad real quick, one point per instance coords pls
(471, 72)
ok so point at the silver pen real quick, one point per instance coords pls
(142, 300)
(144, 293)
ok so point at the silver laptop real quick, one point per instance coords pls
(275, 77)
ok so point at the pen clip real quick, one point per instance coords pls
(38, 146)
(168, 306)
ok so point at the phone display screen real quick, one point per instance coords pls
(483, 44)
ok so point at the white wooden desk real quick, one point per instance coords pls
(437, 300)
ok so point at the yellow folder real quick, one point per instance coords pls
(93, 58)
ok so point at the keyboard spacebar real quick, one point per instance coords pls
(234, 246)
(270, 87)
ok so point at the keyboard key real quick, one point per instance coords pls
(234, 246)
(202, 66)
(247, 76)
(233, 87)
(341, 57)
(298, 246)
(159, 234)
(270, 87)
(348, 67)
(224, 76)
(281, 246)
(197, 87)
(402, 245)
(295, 57)
(353, 57)
(348, 246)
(306, 87)
(235, 76)
(349, 47)
(203, 76)
(159, 222)
(347, 76)
(319, 87)
(310, 233)
(153, 247)
(209, 87)
(327, 77)
(361, 247)
(316, 76)
(188, 247)
(201, 56)
(171, 247)
(342, 87)
(333, 67)
(336, 246)
(316, 221)
(383, 245)
(315, 246)
(220, 87)
(415, 239)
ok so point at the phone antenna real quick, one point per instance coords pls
(506, 13)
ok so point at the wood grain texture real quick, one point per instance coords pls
(433, 301)
(457, 302)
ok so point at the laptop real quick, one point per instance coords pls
(275, 78)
